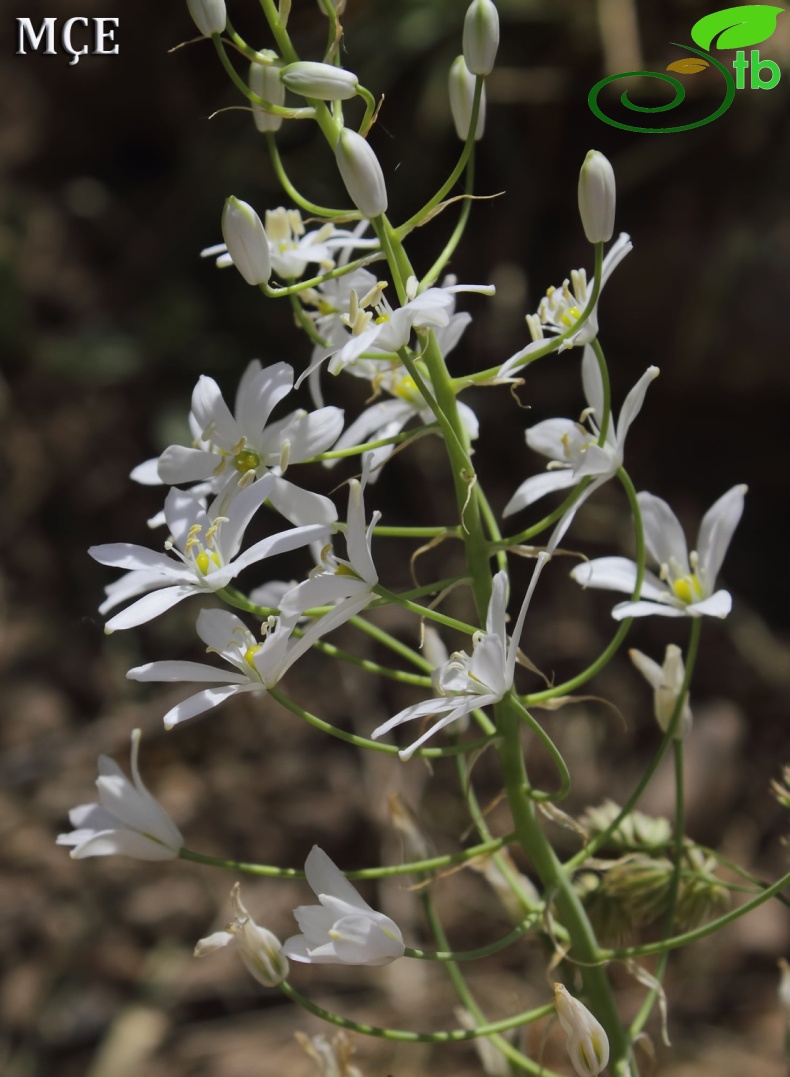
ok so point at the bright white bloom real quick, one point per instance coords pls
(259, 949)
(325, 82)
(597, 198)
(666, 682)
(127, 821)
(372, 327)
(245, 445)
(686, 581)
(462, 94)
(561, 308)
(573, 448)
(346, 585)
(343, 929)
(209, 15)
(361, 173)
(246, 241)
(587, 1043)
(466, 683)
(206, 545)
(257, 664)
(481, 36)
(265, 82)
(292, 247)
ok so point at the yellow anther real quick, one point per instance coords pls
(192, 537)
(211, 534)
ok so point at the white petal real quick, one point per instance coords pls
(647, 609)
(205, 701)
(717, 605)
(558, 439)
(592, 382)
(325, 877)
(632, 404)
(179, 463)
(663, 534)
(301, 506)
(283, 542)
(650, 670)
(134, 558)
(149, 606)
(146, 473)
(262, 390)
(463, 708)
(244, 504)
(538, 486)
(123, 842)
(212, 414)
(716, 531)
(417, 710)
(183, 671)
(217, 628)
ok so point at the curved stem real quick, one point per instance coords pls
(292, 192)
(554, 752)
(482, 951)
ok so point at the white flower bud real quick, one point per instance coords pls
(265, 82)
(259, 949)
(481, 36)
(666, 682)
(246, 241)
(325, 82)
(597, 197)
(361, 173)
(209, 16)
(587, 1044)
(462, 95)
(339, 6)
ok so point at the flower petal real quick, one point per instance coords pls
(663, 534)
(716, 531)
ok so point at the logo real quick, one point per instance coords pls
(737, 28)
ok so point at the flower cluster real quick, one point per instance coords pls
(245, 522)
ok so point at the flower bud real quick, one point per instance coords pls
(481, 36)
(339, 6)
(597, 197)
(325, 82)
(666, 682)
(209, 15)
(361, 173)
(246, 240)
(587, 1044)
(259, 949)
(462, 95)
(265, 82)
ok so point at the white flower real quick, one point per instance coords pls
(127, 821)
(257, 664)
(209, 15)
(573, 449)
(373, 327)
(292, 247)
(206, 544)
(686, 582)
(246, 445)
(386, 418)
(587, 1043)
(332, 1058)
(343, 929)
(466, 682)
(666, 682)
(561, 308)
(348, 583)
(259, 949)
(597, 198)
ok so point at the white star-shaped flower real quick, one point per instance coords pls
(468, 682)
(206, 544)
(573, 448)
(686, 581)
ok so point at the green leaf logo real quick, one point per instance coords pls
(736, 27)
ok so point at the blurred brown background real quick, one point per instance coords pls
(112, 178)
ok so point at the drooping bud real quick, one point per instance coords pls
(462, 95)
(246, 240)
(209, 16)
(587, 1044)
(325, 82)
(259, 949)
(481, 36)
(666, 682)
(265, 82)
(597, 197)
(361, 173)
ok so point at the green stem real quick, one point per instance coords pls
(433, 273)
(584, 947)
(482, 951)
(292, 192)
(458, 1035)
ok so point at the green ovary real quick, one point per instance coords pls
(246, 460)
(688, 588)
